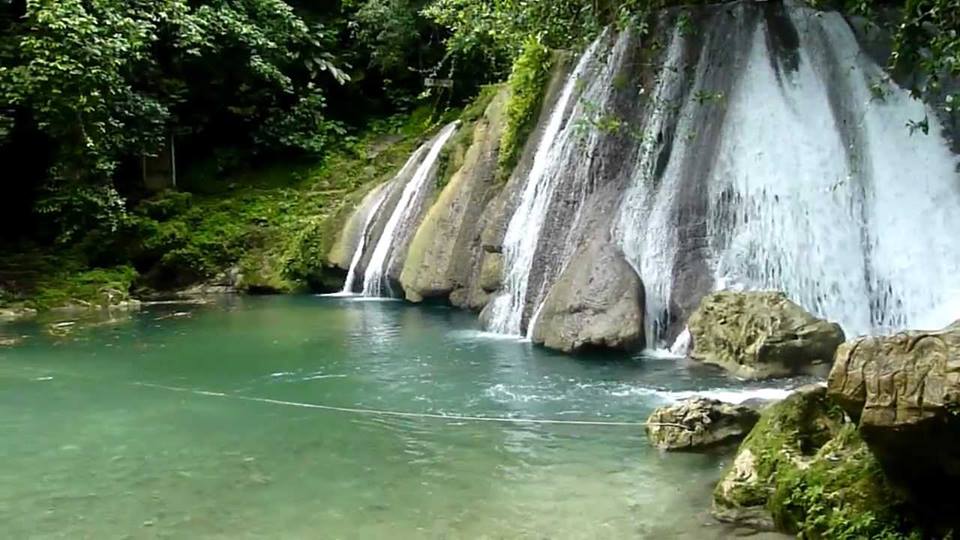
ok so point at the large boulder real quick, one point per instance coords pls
(804, 470)
(905, 391)
(759, 335)
(596, 302)
(699, 423)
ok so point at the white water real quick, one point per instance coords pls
(862, 233)
(645, 230)
(373, 279)
(380, 198)
(523, 231)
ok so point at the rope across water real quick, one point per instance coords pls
(401, 414)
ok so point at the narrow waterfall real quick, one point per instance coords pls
(374, 278)
(812, 184)
(523, 231)
(379, 198)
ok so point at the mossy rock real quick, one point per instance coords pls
(759, 335)
(805, 470)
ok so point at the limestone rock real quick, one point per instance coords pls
(787, 434)
(491, 272)
(596, 302)
(699, 423)
(804, 470)
(757, 335)
(445, 253)
(905, 391)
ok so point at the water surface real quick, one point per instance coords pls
(98, 444)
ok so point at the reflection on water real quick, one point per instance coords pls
(96, 454)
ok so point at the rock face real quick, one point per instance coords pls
(445, 253)
(905, 391)
(805, 470)
(699, 423)
(757, 335)
(596, 302)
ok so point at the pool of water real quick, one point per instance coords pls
(195, 422)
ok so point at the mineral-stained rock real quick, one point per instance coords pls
(597, 302)
(757, 335)
(699, 423)
(905, 391)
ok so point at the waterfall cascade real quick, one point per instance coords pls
(380, 196)
(766, 150)
(523, 231)
(814, 186)
(401, 220)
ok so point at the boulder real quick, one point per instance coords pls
(804, 470)
(905, 391)
(596, 302)
(759, 335)
(699, 423)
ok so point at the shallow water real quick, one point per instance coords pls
(94, 447)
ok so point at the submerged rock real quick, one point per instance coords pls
(699, 423)
(758, 335)
(804, 470)
(597, 302)
(10, 341)
(905, 391)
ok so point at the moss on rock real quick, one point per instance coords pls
(805, 470)
(527, 84)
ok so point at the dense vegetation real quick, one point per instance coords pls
(88, 88)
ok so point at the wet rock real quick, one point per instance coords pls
(596, 302)
(803, 469)
(759, 335)
(491, 272)
(446, 252)
(699, 423)
(905, 391)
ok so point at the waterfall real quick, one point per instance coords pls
(379, 198)
(405, 211)
(811, 184)
(523, 230)
(645, 229)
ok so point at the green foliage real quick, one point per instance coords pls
(43, 281)
(527, 85)
(108, 80)
(928, 40)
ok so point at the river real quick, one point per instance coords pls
(201, 422)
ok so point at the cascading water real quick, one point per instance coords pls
(523, 231)
(379, 198)
(812, 185)
(374, 277)
(645, 229)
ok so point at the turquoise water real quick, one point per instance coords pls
(99, 444)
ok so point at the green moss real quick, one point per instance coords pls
(527, 83)
(843, 494)
(787, 433)
(815, 475)
(43, 281)
(452, 156)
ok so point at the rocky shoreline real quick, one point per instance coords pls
(869, 454)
